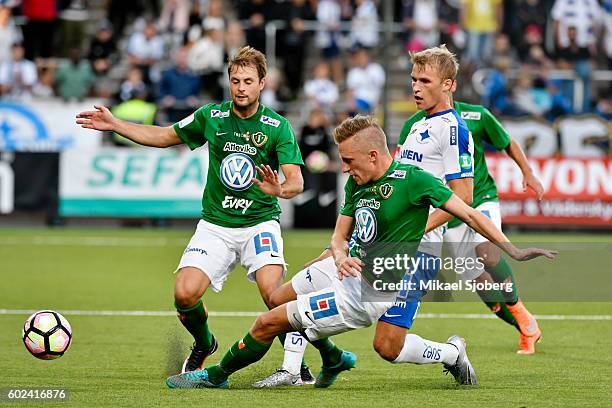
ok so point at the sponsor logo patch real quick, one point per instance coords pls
(186, 121)
(398, 174)
(269, 121)
(453, 135)
(237, 171)
(216, 113)
(265, 242)
(365, 225)
(323, 305)
(470, 115)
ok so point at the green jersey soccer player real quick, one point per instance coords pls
(240, 213)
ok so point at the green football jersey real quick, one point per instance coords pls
(235, 147)
(390, 215)
(484, 127)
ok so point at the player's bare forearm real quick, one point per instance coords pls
(148, 135)
(346, 265)
(463, 188)
(294, 182)
(529, 179)
(485, 227)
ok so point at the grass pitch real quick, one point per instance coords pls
(118, 360)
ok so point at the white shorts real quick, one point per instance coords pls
(322, 311)
(431, 243)
(216, 250)
(463, 240)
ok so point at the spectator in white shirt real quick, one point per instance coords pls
(584, 15)
(17, 75)
(321, 91)
(145, 49)
(364, 25)
(364, 82)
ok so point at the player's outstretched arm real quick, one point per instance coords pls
(347, 265)
(485, 227)
(463, 188)
(147, 135)
(529, 179)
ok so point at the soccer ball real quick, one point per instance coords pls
(47, 335)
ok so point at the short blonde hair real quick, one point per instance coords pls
(374, 135)
(249, 56)
(440, 59)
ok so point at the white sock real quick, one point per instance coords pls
(295, 345)
(418, 350)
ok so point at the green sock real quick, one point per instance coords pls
(330, 353)
(503, 313)
(502, 272)
(194, 319)
(242, 353)
(495, 302)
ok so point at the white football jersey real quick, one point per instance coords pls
(440, 144)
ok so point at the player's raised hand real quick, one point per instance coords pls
(532, 182)
(100, 119)
(531, 253)
(348, 266)
(270, 182)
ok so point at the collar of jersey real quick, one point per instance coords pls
(392, 167)
(433, 115)
(256, 115)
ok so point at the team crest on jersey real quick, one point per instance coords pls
(470, 115)
(237, 171)
(216, 113)
(259, 139)
(385, 191)
(269, 121)
(465, 161)
(365, 225)
(424, 137)
(398, 174)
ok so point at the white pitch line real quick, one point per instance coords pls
(140, 313)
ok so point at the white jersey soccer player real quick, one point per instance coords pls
(442, 145)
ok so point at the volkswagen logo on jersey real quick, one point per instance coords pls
(365, 225)
(237, 171)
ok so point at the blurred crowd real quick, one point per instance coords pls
(159, 60)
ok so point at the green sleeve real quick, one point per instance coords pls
(348, 207)
(191, 130)
(428, 189)
(408, 125)
(287, 148)
(497, 135)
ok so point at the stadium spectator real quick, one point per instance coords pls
(561, 105)
(329, 14)
(40, 29)
(145, 49)
(206, 58)
(9, 33)
(481, 19)
(102, 51)
(294, 43)
(364, 82)
(321, 91)
(315, 143)
(257, 12)
(420, 19)
(583, 15)
(136, 110)
(503, 49)
(607, 37)
(529, 20)
(234, 38)
(74, 76)
(496, 96)
(179, 89)
(271, 95)
(364, 24)
(577, 58)
(133, 85)
(174, 19)
(214, 15)
(531, 96)
(18, 75)
(73, 20)
(604, 107)
(44, 88)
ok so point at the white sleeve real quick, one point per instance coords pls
(457, 149)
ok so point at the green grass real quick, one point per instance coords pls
(123, 360)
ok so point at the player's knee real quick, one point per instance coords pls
(264, 326)
(386, 348)
(185, 296)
